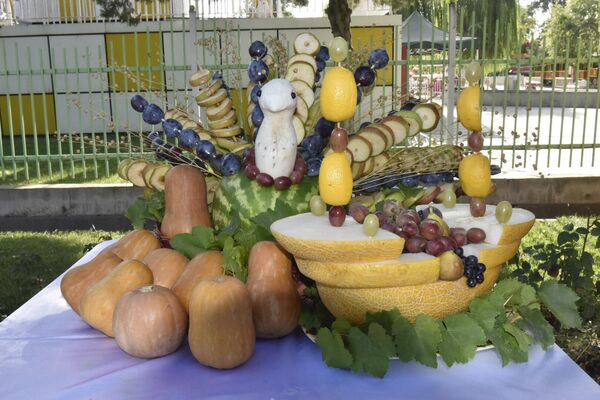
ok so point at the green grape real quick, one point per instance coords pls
(503, 211)
(338, 49)
(473, 72)
(317, 205)
(448, 198)
(371, 225)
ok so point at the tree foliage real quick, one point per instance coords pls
(121, 10)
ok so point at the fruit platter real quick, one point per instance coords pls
(291, 212)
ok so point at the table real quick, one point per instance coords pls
(48, 352)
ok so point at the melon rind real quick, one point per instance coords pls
(409, 269)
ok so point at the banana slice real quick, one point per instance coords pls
(303, 58)
(174, 113)
(200, 78)
(220, 110)
(301, 109)
(301, 71)
(210, 90)
(191, 124)
(231, 146)
(307, 43)
(228, 120)
(299, 128)
(226, 132)
(216, 98)
(304, 91)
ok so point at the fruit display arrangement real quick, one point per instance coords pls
(356, 236)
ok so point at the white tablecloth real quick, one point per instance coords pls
(48, 352)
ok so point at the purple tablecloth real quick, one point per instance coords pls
(48, 352)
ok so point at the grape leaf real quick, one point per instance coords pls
(524, 296)
(460, 339)
(341, 326)
(504, 290)
(136, 213)
(429, 336)
(384, 318)
(191, 244)
(332, 348)
(523, 339)
(381, 339)
(485, 312)
(235, 260)
(561, 301)
(507, 346)
(533, 320)
(405, 339)
(369, 351)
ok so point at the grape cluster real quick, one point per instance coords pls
(258, 72)
(248, 162)
(310, 149)
(473, 268)
(321, 58)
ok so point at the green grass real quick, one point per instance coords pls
(29, 261)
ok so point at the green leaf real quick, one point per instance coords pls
(564, 238)
(507, 346)
(205, 236)
(523, 339)
(525, 295)
(561, 301)
(384, 318)
(485, 312)
(341, 326)
(367, 354)
(192, 244)
(568, 227)
(460, 339)
(405, 339)
(533, 320)
(281, 210)
(136, 213)
(381, 339)
(503, 291)
(333, 350)
(235, 260)
(429, 336)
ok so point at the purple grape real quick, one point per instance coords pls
(459, 235)
(323, 53)
(448, 242)
(217, 162)
(324, 128)
(379, 58)
(435, 247)
(296, 176)
(188, 138)
(257, 49)
(257, 116)
(364, 76)
(255, 94)
(410, 228)
(264, 179)
(386, 226)
(410, 181)
(337, 215)
(171, 127)
(205, 150)
(138, 103)
(430, 229)
(359, 212)
(475, 235)
(258, 71)
(153, 114)
(313, 145)
(282, 183)
(232, 164)
(415, 244)
(313, 166)
(251, 171)
(320, 65)
(300, 165)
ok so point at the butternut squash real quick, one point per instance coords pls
(185, 201)
(149, 322)
(276, 303)
(79, 279)
(98, 304)
(221, 333)
(166, 266)
(205, 265)
(135, 245)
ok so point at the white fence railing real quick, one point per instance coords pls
(77, 11)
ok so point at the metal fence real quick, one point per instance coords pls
(64, 91)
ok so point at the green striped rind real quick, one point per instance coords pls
(250, 199)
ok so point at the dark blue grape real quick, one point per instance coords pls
(323, 53)
(313, 145)
(153, 114)
(447, 177)
(430, 179)
(257, 49)
(378, 58)
(480, 278)
(205, 150)
(304, 154)
(138, 103)
(324, 128)
(495, 169)
(172, 127)
(471, 282)
(314, 164)
(232, 164)
(258, 71)
(470, 273)
(188, 138)
(480, 268)
(257, 116)
(410, 181)
(364, 76)
(155, 140)
(408, 105)
(459, 251)
(320, 65)
(471, 261)
(255, 94)
(217, 162)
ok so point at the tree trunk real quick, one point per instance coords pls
(339, 14)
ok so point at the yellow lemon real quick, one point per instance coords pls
(335, 180)
(338, 95)
(467, 107)
(475, 175)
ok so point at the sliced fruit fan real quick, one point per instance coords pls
(242, 208)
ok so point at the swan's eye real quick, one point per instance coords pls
(293, 95)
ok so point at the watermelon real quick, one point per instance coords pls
(250, 199)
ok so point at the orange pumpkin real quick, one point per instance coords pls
(166, 266)
(205, 265)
